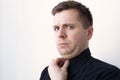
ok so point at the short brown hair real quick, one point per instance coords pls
(84, 13)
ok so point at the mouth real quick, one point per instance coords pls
(63, 44)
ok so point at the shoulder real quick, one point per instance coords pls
(44, 74)
(103, 70)
(101, 64)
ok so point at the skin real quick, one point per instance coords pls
(71, 39)
(58, 72)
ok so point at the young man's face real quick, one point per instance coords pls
(71, 37)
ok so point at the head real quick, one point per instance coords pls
(73, 28)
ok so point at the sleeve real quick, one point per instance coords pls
(111, 74)
(44, 74)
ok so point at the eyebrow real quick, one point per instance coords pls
(64, 25)
(68, 24)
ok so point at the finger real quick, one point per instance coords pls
(51, 62)
(66, 64)
(56, 62)
(61, 62)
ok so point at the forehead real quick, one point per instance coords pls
(66, 16)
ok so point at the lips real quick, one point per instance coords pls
(62, 44)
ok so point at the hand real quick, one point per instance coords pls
(58, 69)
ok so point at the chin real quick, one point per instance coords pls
(66, 56)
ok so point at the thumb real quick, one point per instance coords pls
(66, 64)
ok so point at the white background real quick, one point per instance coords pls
(27, 41)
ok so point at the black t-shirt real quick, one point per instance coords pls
(85, 67)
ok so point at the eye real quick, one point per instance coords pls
(56, 28)
(70, 26)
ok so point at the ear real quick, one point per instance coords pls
(89, 32)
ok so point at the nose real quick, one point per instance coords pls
(62, 33)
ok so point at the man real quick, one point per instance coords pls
(73, 29)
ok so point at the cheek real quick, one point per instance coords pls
(78, 38)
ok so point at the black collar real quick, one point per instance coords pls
(81, 59)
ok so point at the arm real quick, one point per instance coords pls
(58, 69)
(44, 74)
